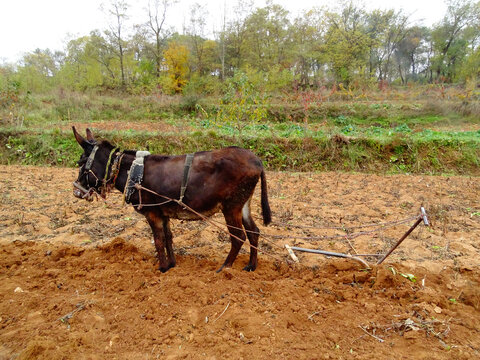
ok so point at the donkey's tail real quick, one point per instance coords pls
(266, 212)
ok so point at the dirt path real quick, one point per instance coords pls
(79, 281)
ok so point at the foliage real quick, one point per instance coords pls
(401, 133)
(454, 37)
(202, 85)
(242, 103)
(176, 60)
(347, 45)
(294, 150)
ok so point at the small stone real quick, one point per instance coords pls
(437, 309)
(18, 290)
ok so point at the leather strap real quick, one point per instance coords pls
(89, 163)
(186, 173)
(135, 174)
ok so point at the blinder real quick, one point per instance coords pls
(90, 159)
(87, 194)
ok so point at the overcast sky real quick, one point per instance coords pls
(29, 24)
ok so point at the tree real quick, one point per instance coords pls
(411, 54)
(117, 9)
(176, 61)
(83, 68)
(235, 37)
(267, 41)
(220, 39)
(450, 38)
(308, 34)
(196, 38)
(387, 29)
(347, 44)
(45, 61)
(39, 68)
(157, 14)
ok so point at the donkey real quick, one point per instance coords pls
(212, 181)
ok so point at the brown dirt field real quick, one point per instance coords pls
(79, 281)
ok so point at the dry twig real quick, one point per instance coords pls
(375, 337)
(80, 306)
(223, 312)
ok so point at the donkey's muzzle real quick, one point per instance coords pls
(80, 192)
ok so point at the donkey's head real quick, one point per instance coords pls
(94, 166)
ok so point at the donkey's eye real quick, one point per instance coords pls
(82, 160)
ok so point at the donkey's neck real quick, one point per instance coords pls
(123, 168)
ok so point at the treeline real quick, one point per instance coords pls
(348, 45)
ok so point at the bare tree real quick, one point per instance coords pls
(220, 38)
(157, 14)
(117, 9)
(196, 32)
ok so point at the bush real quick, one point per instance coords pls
(204, 85)
(242, 103)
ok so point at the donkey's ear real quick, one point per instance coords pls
(90, 136)
(81, 141)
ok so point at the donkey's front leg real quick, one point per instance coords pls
(156, 223)
(169, 242)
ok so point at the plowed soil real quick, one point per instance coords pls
(78, 280)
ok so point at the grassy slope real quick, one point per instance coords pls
(379, 135)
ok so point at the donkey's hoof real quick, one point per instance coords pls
(249, 268)
(163, 269)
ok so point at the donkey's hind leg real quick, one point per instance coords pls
(253, 234)
(233, 219)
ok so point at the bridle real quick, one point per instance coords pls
(87, 170)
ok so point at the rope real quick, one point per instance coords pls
(203, 217)
(348, 237)
(108, 165)
(384, 224)
(267, 237)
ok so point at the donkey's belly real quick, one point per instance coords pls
(185, 214)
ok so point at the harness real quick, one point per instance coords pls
(87, 193)
(135, 177)
(90, 159)
(186, 173)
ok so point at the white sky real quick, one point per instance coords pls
(29, 24)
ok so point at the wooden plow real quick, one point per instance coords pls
(358, 257)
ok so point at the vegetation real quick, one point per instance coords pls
(334, 89)
(396, 132)
(346, 45)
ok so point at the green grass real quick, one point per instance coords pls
(389, 136)
(299, 153)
